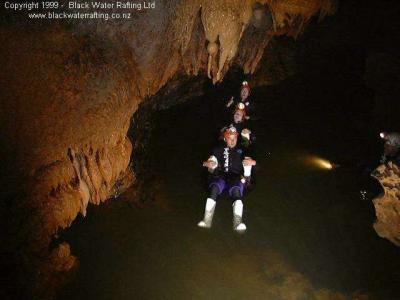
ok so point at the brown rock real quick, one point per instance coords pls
(387, 205)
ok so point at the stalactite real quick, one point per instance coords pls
(212, 49)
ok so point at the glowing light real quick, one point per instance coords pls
(382, 135)
(322, 163)
(319, 163)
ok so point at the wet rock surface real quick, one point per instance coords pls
(387, 205)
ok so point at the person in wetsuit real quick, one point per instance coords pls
(391, 151)
(244, 99)
(246, 138)
(230, 170)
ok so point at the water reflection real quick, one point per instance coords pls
(261, 274)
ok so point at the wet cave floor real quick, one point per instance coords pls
(309, 229)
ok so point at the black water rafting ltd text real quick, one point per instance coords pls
(79, 9)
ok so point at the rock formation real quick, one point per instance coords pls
(70, 89)
(387, 205)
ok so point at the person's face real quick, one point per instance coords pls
(390, 150)
(244, 93)
(238, 116)
(231, 140)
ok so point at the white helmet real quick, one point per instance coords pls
(393, 139)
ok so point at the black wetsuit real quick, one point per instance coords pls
(229, 160)
(228, 174)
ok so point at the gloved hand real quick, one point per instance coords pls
(247, 181)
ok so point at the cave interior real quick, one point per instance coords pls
(119, 115)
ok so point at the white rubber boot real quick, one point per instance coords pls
(237, 216)
(208, 214)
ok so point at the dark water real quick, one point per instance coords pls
(309, 229)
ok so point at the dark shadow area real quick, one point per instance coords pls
(301, 220)
(309, 229)
(316, 220)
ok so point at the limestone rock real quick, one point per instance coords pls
(387, 205)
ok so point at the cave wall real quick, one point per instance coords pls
(387, 205)
(69, 91)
